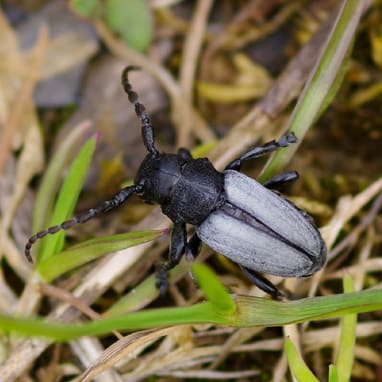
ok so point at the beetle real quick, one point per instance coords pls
(250, 223)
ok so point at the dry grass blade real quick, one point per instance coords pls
(21, 102)
(211, 375)
(126, 348)
(346, 209)
(191, 51)
(64, 52)
(20, 128)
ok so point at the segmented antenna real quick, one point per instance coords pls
(106, 206)
(140, 110)
(122, 195)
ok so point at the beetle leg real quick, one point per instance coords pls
(184, 153)
(262, 283)
(177, 248)
(193, 247)
(258, 151)
(281, 179)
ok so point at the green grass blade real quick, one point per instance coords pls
(142, 294)
(203, 150)
(322, 84)
(333, 374)
(250, 311)
(260, 312)
(80, 254)
(297, 365)
(345, 356)
(67, 198)
(213, 289)
(199, 313)
(52, 178)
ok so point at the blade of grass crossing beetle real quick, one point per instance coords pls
(250, 312)
(67, 198)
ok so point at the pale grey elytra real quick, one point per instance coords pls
(262, 231)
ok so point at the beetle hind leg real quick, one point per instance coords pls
(262, 283)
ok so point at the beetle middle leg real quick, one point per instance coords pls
(262, 283)
(280, 179)
(177, 249)
(258, 151)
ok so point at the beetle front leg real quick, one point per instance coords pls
(280, 179)
(262, 283)
(258, 151)
(177, 249)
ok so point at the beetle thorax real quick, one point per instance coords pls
(187, 189)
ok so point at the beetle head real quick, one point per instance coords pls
(158, 174)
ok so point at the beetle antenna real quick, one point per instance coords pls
(140, 110)
(118, 199)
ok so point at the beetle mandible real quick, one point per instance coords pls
(248, 222)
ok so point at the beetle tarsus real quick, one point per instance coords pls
(285, 140)
(161, 278)
(262, 283)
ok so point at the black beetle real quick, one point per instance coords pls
(250, 223)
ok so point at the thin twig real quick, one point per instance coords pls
(191, 52)
(65, 296)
